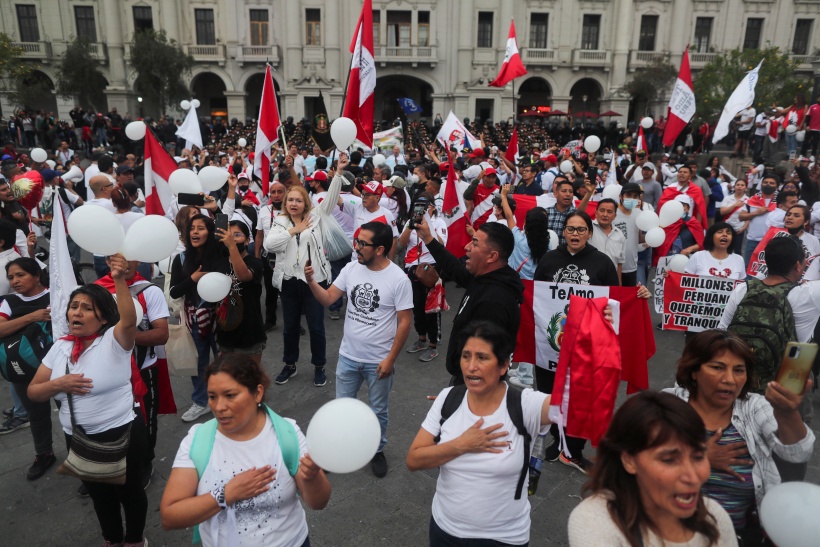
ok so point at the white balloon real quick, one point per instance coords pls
(592, 143)
(135, 130)
(647, 220)
(150, 239)
(655, 237)
(566, 166)
(96, 230)
(613, 191)
(39, 155)
(378, 160)
(242, 143)
(184, 181)
(671, 212)
(164, 266)
(789, 512)
(343, 132)
(647, 122)
(212, 178)
(51, 164)
(343, 435)
(553, 240)
(137, 308)
(678, 263)
(800, 136)
(195, 103)
(185, 105)
(213, 286)
(791, 129)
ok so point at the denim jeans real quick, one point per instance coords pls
(204, 345)
(644, 261)
(296, 296)
(19, 409)
(335, 269)
(791, 143)
(349, 378)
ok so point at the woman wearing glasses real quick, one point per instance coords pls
(578, 263)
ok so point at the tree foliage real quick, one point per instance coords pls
(159, 64)
(777, 83)
(13, 69)
(78, 76)
(646, 84)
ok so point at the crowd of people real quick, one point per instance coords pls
(374, 245)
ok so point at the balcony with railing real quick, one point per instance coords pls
(804, 61)
(407, 54)
(257, 54)
(538, 56)
(34, 50)
(643, 59)
(598, 58)
(207, 53)
(98, 51)
(700, 60)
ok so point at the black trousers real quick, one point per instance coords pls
(151, 401)
(271, 293)
(426, 324)
(39, 416)
(545, 380)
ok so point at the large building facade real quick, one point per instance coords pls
(442, 54)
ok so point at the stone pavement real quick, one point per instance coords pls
(363, 510)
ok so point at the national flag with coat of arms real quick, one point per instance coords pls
(512, 67)
(267, 132)
(682, 103)
(361, 86)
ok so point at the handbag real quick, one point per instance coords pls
(94, 461)
(180, 349)
(427, 275)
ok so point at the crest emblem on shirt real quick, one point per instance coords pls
(365, 298)
(571, 274)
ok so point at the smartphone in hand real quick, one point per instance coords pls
(197, 200)
(796, 365)
(221, 222)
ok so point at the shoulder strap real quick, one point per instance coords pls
(451, 403)
(202, 445)
(288, 440)
(516, 413)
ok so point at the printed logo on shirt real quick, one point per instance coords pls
(623, 228)
(717, 273)
(571, 274)
(365, 298)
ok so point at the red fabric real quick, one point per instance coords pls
(641, 145)
(482, 193)
(674, 123)
(455, 216)
(158, 168)
(267, 131)
(512, 147)
(77, 350)
(757, 262)
(758, 200)
(672, 232)
(512, 67)
(591, 359)
(250, 196)
(360, 102)
(167, 405)
(697, 197)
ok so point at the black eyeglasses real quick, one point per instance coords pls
(358, 243)
(580, 230)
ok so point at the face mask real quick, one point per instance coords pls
(240, 247)
(600, 171)
(768, 190)
(630, 203)
(276, 205)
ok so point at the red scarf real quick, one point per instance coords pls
(77, 350)
(759, 200)
(672, 232)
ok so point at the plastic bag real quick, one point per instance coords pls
(337, 245)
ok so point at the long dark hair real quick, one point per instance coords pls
(537, 232)
(401, 199)
(647, 420)
(105, 307)
(210, 256)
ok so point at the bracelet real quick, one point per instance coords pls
(219, 495)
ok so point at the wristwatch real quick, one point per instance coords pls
(219, 495)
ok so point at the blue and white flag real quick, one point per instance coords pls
(409, 106)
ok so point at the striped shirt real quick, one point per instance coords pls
(732, 494)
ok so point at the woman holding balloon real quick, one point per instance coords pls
(238, 477)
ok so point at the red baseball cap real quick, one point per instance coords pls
(444, 166)
(317, 175)
(490, 171)
(372, 187)
(477, 153)
(551, 158)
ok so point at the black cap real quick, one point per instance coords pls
(124, 169)
(631, 187)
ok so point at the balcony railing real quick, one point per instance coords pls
(804, 61)
(257, 54)
(407, 54)
(538, 56)
(591, 57)
(207, 53)
(34, 50)
(699, 60)
(98, 51)
(641, 59)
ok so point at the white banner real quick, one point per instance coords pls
(453, 133)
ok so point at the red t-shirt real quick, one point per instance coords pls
(814, 120)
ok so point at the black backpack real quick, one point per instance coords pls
(453, 401)
(22, 352)
(764, 320)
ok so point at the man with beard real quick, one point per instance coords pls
(756, 211)
(276, 195)
(377, 322)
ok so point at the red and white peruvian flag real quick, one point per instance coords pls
(158, 168)
(361, 85)
(267, 132)
(512, 67)
(641, 144)
(455, 215)
(682, 103)
(512, 148)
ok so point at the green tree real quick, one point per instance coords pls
(777, 83)
(159, 64)
(78, 76)
(13, 69)
(647, 83)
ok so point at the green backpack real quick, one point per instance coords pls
(764, 320)
(203, 444)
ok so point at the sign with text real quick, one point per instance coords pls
(694, 303)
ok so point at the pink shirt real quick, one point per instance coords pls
(814, 121)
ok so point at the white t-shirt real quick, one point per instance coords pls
(374, 298)
(105, 203)
(157, 308)
(265, 218)
(91, 171)
(626, 224)
(391, 204)
(760, 131)
(110, 402)
(734, 219)
(361, 216)
(475, 492)
(776, 218)
(703, 263)
(273, 518)
(299, 166)
(420, 255)
(128, 218)
(5, 257)
(805, 302)
(757, 225)
(747, 114)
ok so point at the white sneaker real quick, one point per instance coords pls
(195, 412)
(518, 382)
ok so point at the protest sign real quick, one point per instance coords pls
(694, 303)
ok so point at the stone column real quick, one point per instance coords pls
(236, 105)
(117, 90)
(620, 55)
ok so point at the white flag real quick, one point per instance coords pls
(742, 97)
(453, 133)
(60, 270)
(189, 130)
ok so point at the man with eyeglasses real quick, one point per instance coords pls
(369, 210)
(101, 186)
(528, 186)
(377, 322)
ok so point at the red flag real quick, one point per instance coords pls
(267, 131)
(158, 168)
(361, 84)
(641, 144)
(512, 148)
(512, 67)
(455, 217)
(682, 103)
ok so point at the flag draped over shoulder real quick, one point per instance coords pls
(158, 166)
(361, 86)
(742, 97)
(682, 103)
(512, 67)
(267, 132)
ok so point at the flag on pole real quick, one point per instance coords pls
(641, 144)
(453, 133)
(158, 166)
(361, 85)
(512, 148)
(320, 130)
(512, 67)
(409, 106)
(742, 97)
(267, 132)
(61, 271)
(682, 103)
(189, 130)
(612, 175)
(455, 215)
